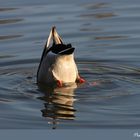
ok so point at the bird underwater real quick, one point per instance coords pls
(57, 65)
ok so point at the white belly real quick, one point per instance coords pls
(58, 68)
(65, 71)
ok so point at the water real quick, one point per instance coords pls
(106, 36)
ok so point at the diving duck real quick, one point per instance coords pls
(57, 65)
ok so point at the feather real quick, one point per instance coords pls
(57, 62)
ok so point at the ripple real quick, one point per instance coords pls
(110, 37)
(19, 62)
(98, 15)
(10, 21)
(7, 37)
(6, 56)
(7, 9)
(96, 5)
(4, 100)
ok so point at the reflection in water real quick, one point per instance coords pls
(58, 103)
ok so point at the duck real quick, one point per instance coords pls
(57, 64)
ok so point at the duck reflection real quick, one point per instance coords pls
(58, 103)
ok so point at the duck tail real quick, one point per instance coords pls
(56, 38)
(53, 36)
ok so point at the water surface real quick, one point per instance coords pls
(106, 36)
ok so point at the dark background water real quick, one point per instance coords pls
(106, 35)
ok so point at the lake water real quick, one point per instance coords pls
(106, 35)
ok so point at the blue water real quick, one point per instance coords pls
(106, 35)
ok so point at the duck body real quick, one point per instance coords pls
(57, 65)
